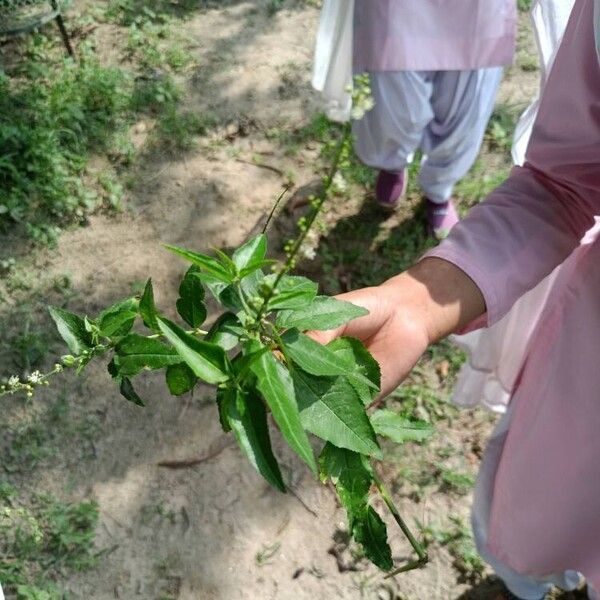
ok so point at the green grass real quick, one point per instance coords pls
(55, 115)
(52, 118)
(41, 539)
(457, 538)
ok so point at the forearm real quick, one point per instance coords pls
(438, 296)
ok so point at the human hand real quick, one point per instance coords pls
(407, 313)
(395, 337)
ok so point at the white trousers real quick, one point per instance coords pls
(522, 586)
(443, 113)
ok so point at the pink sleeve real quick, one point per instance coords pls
(532, 222)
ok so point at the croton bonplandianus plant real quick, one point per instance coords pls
(262, 365)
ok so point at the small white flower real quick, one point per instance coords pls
(339, 183)
(13, 380)
(35, 377)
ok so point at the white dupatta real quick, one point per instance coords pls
(332, 71)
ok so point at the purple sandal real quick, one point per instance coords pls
(390, 188)
(441, 218)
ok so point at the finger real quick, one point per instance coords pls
(362, 327)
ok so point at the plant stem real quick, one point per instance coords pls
(272, 213)
(317, 207)
(422, 557)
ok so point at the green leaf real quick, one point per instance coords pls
(190, 304)
(208, 361)
(226, 261)
(331, 409)
(398, 428)
(222, 395)
(180, 379)
(205, 263)
(118, 319)
(321, 314)
(370, 531)
(229, 298)
(352, 476)
(256, 266)
(214, 285)
(317, 359)
(352, 351)
(72, 330)
(247, 417)
(147, 307)
(253, 251)
(243, 362)
(134, 353)
(292, 292)
(225, 332)
(127, 391)
(276, 386)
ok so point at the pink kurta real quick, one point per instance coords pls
(433, 35)
(545, 511)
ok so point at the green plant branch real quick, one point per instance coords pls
(317, 207)
(422, 556)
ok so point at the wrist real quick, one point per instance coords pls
(436, 297)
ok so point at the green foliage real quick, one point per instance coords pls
(40, 539)
(55, 114)
(400, 429)
(260, 363)
(524, 5)
(353, 477)
(457, 537)
(49, 121)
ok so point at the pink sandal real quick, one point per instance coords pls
(441, 218)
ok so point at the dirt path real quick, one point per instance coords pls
(216, 530)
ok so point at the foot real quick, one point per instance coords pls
(390, 188)
(441, 218)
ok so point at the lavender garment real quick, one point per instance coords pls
(433, 35)
(444, 113)
(544, 515)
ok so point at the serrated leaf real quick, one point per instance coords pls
(72, 329)
(352, 351)
(352, 477)
(225, 331)
(180, 379)
(208, 361)
(292, 292)
(118, 319)
(399, 429)
(331, 409)
(248, 420)
(129, 393)
(276, 386)
(205, 263)
(321, 314)
(135, 353)
(147, 307)
(253, 251)
(190, 304)
(371, 533)
(317, 359)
